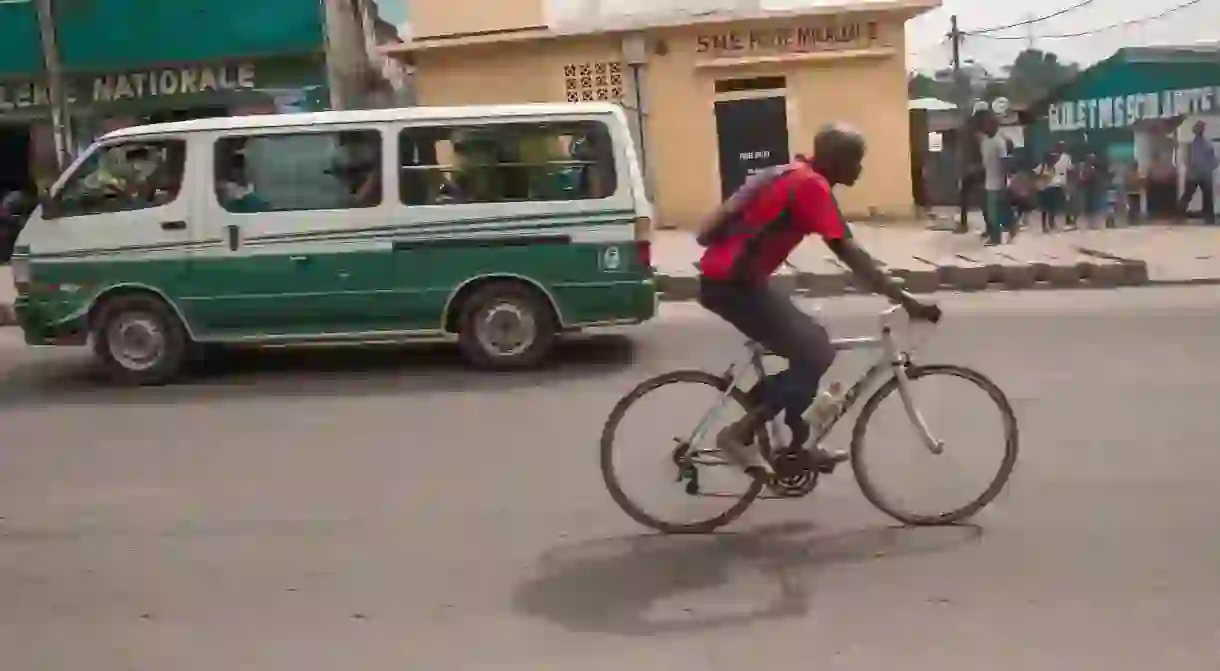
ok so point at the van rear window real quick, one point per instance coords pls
(506, 162)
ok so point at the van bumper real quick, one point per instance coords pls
(39, 327)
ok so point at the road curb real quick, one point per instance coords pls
(1086, 275)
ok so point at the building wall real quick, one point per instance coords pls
(455, 17)
(681, 148)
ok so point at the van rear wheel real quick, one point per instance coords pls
(507, 325)
(139, 340)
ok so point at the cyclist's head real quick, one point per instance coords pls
(838, 154)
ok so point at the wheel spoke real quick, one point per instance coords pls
(957, 415)
(700, 468)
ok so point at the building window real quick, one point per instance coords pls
(301, 171)
(593, 81)
(501, 163)
(123, 178)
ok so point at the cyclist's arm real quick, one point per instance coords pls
(817, 213)
(866, 268)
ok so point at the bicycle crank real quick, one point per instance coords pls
(796, 473)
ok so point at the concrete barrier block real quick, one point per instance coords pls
(959, 273)
(918, 276)
(1102, 272)
(824, 277)
(1135, 273)
(1016, 272)
(678, 287)
(784, 281)
(1061, 271)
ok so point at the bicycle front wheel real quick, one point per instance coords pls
(983, 412)
(693, 397)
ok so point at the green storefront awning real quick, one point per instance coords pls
(300, 81)
(1135, 86)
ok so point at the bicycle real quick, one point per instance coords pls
(797, 473)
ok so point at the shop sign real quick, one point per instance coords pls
(134, 86)
(825, 37)
(1124, 111)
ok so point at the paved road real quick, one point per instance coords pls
(394, 511)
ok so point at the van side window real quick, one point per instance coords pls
(506, 162)
(299, 171)
(123, 178)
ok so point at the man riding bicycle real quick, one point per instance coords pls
(746, 241)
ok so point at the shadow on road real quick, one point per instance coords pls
(609, 586)
(312, 371)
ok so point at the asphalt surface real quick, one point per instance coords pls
(390, 509)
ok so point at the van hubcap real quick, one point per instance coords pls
(136, 341)
(506, 330)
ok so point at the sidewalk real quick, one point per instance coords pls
(932, 260)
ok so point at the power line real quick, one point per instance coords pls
(1102, 29)
(1027, 22)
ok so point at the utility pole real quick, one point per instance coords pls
(961, 94)
(61, 118)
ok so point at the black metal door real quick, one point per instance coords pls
(753, 135)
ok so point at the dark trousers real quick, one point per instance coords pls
(1209, 205)
(770, 318)
(998, 215)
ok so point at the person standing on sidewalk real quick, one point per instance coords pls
(1200, 168)
(997, 212)
(1054, 199)
(1089, 193)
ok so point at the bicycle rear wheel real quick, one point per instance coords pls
(1008, 435)
(737, 400)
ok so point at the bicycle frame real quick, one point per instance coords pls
(893, 357)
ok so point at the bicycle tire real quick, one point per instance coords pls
(1007, 465)
(624, 404)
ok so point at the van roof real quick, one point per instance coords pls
(363, 116)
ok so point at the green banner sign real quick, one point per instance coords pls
(187, 84)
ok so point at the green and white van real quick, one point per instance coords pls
(500, 227)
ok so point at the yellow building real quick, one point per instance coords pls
(722, 94)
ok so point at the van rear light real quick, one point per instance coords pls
(643, 253)
(643, 241)
(643, 228)
(20, 267)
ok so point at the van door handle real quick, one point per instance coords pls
(298, 259)
(173, 225)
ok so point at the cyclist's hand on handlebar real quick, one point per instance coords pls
(924, 312)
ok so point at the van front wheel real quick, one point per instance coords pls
(507, 325)
(139, 340)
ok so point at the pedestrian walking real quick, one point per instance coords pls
(1200, 170)
(997, 212)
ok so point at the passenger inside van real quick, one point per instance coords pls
(233, 187)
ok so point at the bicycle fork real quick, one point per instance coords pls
(908, 400)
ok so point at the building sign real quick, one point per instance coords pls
(1124, 111)
(826, 37)
(134, 86)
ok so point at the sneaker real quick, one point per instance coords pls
(736, 442)
(826, 460)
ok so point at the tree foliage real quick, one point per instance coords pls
(1032, 75)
